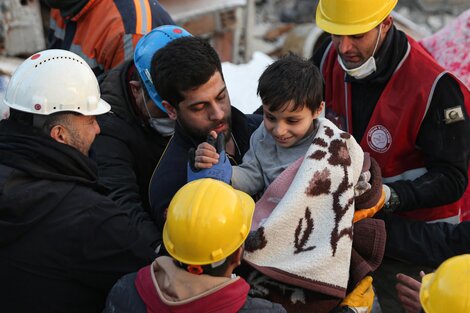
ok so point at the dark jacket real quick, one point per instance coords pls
(427, 244)
(137, 292)
(171, 172)
(63, 243)
(127, 149)
(445, 146)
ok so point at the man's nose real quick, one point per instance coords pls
(345, 44)
(216, 112)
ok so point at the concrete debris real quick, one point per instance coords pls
(9, 64)
(21, 29)
(277, 31)
(4, 112)
(418, 18)
(220, 21)
(183, 10)
(236, 28)
(7, 67)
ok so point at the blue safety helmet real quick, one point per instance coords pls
(147, 47)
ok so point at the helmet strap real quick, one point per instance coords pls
(198, 270)
(378, 39)
(145, 101)
(195, 269)
(164, 125)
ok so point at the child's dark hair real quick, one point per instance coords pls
(291, 78)
(181, 65)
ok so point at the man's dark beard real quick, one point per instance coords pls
(201, 135)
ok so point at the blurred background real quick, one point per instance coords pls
(248, 34)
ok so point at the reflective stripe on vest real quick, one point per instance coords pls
(143, 17)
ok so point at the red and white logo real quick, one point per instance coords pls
(379, 139)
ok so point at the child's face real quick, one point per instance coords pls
(288, 127)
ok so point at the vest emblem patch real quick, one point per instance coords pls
(379, 139)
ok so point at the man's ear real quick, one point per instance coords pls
(59, 134)
(387, 23)
(170, 110)
(135, 88)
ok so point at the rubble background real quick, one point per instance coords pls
(422, 17)
(236, 28)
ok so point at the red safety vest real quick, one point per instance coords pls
(390, 136)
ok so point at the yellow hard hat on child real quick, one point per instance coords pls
(448, 289)
(207, 220)
(352, 17)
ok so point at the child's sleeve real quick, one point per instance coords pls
(248, 176)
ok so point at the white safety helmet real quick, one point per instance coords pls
(53, 81)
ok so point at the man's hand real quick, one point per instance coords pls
(392, 200)
(361, 299)
(209, 160)
(408, 292)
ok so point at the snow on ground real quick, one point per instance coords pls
(242, 81)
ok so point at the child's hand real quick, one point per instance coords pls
(206, 155)
(209, 160)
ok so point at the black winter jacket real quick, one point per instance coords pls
(171, 172)
(426, 244)
(127, 149)
(63, 243)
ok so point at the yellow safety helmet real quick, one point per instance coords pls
(352, 17)
(448, 289)
(207, 220)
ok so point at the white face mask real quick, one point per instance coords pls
(367, 68)
(164, 125)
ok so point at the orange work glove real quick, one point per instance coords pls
(365, 213)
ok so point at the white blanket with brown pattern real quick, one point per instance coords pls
(302, 228)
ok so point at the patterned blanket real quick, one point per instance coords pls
(304, 251)
(302, 231)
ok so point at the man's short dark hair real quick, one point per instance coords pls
(291, 78)
(183, 64)
(40, 123)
